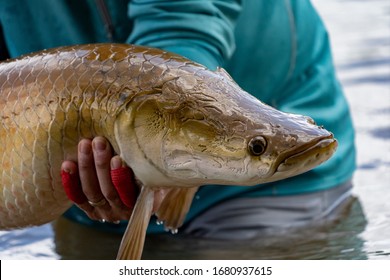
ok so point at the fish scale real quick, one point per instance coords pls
(176, 124)
(49, 101)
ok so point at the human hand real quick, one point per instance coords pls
(100, 184)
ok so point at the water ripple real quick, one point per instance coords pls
(381, 132)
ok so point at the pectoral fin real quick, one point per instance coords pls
(175, 206)
(134, 238)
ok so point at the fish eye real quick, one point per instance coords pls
(257, 145)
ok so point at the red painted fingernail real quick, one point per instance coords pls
(71, 184)
(122, 179)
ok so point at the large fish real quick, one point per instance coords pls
(175, 123)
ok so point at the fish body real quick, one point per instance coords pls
(175, 123)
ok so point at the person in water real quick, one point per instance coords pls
(278, 51)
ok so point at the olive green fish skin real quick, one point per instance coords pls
(175, 123)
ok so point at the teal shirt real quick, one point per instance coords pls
(276, 50)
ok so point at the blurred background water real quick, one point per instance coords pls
(360, 37)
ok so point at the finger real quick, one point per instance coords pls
(88, 177)
(123, 180)
(71, 182)
(102, 157)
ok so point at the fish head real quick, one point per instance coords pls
(204, 129)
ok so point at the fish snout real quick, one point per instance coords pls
(307, 157)
(308, 128)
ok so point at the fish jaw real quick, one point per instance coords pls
(316, 153)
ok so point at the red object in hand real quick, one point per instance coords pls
(122, 179)
(73, 190)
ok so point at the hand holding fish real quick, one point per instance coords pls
(100, 184)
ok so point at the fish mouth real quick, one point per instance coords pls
(306, 157)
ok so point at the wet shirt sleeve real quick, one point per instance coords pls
(201, 30)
